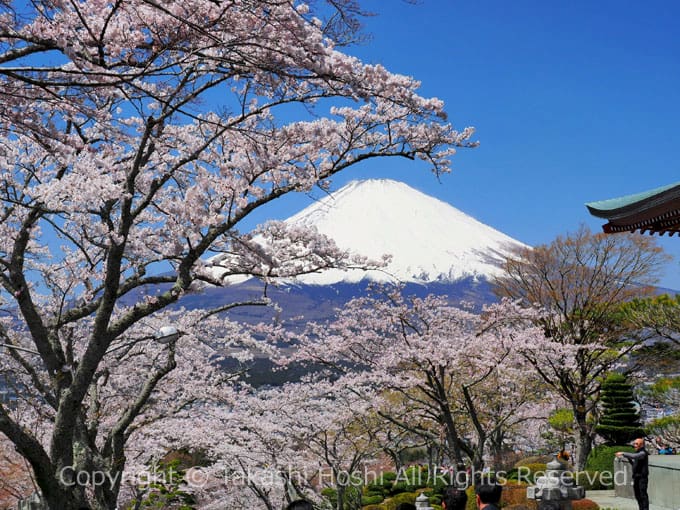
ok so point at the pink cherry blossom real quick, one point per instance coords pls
(135, 139)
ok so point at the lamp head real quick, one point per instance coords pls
(167, 335)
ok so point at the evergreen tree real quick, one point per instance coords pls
(620, 421)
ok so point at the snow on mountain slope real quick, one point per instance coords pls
(429, 240)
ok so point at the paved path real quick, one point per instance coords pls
(606, 499)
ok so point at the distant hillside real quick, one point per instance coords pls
(318, 302)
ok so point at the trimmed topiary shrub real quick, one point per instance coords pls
(434, 496)
(387, 478)
(620, 420)
(402, 487)
(374, 507)
(404, 497)
(372, 500)
(373, 489)
(516, 494)
(382, 485)
(512, 474)
(528, 472)
(533, 459)
(409, 480)
(585, 504)
(373, 492)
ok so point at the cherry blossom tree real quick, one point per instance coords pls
(15, 480)
(273, 445)
(250, 450)
(135, 138)
(127, 412)
(511, 409)
(332, 428)
(440, 360)
(575, 289)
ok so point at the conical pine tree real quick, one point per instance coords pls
(620, 420)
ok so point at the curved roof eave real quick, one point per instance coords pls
(621, 206)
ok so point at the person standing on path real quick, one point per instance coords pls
(640, 462)
(488, 494)
(454, 499)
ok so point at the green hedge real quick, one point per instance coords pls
(372, 500)
(367, 491)
(404, 497)
(331, 494)
(392, 488)
(529, 472)
(601, 457)
(533, 459)
(595, 480)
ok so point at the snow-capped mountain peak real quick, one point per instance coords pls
(428, 239)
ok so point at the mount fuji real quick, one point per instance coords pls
(428, 240)
(435, 248)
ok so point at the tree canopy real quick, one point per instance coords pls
(135, 139)
(580, 283)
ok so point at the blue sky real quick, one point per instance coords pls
(573, 102)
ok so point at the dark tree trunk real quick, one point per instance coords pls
(584, 440)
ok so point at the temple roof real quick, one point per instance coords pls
(653, 211)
